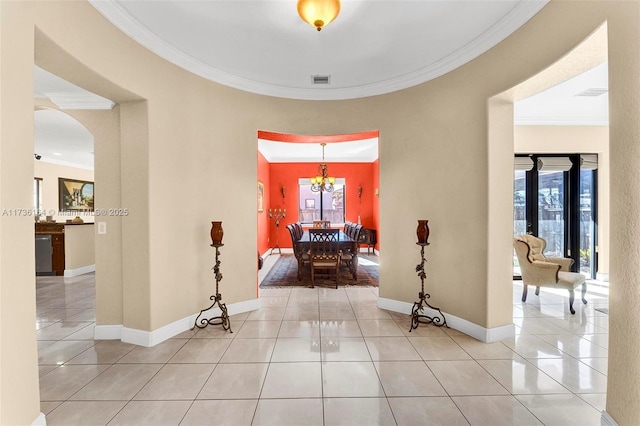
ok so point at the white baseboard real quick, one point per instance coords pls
(607, 420)
(152, 338)
(241, 307)
(265, 254)
(601, 276)
(79, 271)
(41, 420)
(283, 250)
(371, 250)
(146, 338)
(107, 332)
(486, 335)
(395, 305)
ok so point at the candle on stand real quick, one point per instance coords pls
(277, 214)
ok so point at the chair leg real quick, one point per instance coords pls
(584, 292)
(300, 265)
(524, 292)
(352, 267)
(572, 296)
(538, 291)
(313, 278)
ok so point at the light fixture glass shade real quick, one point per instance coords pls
(322, 182)
(318, 13)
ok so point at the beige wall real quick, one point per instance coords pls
(576, 139)
(187, 156)
(104, 125)
(50, 173)
(623, 386)
(79, 246)
(19, 393)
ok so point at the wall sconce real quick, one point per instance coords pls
(284, 190)
(360, 191)
(376, 192)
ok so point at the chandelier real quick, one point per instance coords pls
(323, 182)
(318, 13)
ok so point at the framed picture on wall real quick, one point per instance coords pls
(75, 195)
(260, 196)
(309, 203)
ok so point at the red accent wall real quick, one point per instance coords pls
(287, 174)
(263, 218)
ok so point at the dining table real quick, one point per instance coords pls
(345, 243)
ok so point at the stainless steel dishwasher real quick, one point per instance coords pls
(44, 255)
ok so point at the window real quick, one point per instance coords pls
(37, 195)
(321, 205)
(555, 198)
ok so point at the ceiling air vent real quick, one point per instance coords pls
(320, 79)
(594, 91)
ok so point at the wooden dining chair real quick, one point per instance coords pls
(324, 254)
(302, 256)
(349, 257)
(348, 226)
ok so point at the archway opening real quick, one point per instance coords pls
(286, 165)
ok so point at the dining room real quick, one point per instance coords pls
(315, 183)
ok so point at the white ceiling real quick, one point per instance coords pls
(362, 151)
(372, 47)
(60, 139)
(564, 105)
(262, 46)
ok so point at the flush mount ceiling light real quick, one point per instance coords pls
(318, 13)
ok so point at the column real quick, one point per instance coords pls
(623, 383)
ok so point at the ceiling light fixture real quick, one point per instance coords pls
(322, 182)
(318, 13)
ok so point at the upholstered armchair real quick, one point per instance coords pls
(541, 271)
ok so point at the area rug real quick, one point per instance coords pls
(284, 273)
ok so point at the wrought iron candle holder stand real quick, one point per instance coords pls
(277, 214)
(417, 315)
(223, 319)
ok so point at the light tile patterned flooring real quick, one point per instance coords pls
(323, 357)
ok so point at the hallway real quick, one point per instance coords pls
(323, 357)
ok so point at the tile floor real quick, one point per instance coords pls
(323, 357)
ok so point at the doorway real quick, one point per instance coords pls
(288, 164)
(555, 198)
